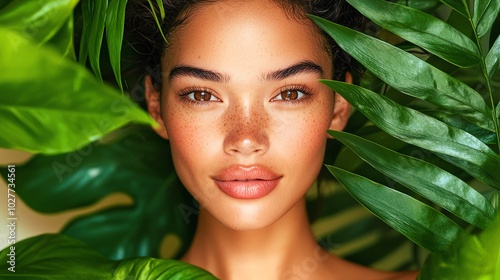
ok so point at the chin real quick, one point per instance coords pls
(248, 216)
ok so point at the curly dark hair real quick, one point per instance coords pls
(150, 44)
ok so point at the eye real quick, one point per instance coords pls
(199, 95)
(291, 94)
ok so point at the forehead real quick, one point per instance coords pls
(251, 36)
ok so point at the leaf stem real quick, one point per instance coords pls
(488, 83)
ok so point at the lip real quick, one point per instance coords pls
(243, 182)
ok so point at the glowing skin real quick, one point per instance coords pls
(228, 73)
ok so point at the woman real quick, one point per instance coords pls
(240, 102)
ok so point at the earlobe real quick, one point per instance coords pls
(153, 99)
(342, 109)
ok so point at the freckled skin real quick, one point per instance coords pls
(245, 125)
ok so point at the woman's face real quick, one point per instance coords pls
(243, 110)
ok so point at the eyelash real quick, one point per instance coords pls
(183, 94)
(301, 88)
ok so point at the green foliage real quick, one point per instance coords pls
(40, 88)
(138, 164)
(470, 257)
(46, 257)
(439, 97)
(450, 118)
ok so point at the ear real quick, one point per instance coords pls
(342, 109)
(153, 98)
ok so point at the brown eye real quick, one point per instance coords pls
(290, 95)
(201, 95)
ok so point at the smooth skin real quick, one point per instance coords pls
(240, 88)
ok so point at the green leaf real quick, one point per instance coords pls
(95, 31)
(56, 106)
(38, 20)
(458, 5)
(423, 131)
(52, 256)
(485, 13)
(471, 257)
(419, 222)
(63, 40)
(422, 29)
(411, 75)
(115, 24)
(423, 5)
(426, 179)
(138, 165)
(486, 136)
(492, 60)
(155, 16)
(149, 268)
(159, 3)
(56, 256)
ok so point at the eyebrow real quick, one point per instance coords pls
(200, 73)
(302, 67)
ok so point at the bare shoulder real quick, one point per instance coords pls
(347, 270)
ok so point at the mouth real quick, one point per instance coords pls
(242, 182)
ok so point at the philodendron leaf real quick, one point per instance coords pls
(420, 130)
(471, 257)
(426, 179)
(422, 29)
(493, 58)
(485, 13)
(138, 165)
(53, 105)
(409, 74)
(115, 24)
(51, 257)
(37, 20)
(158, 269)
(419, 222)
(458, 5)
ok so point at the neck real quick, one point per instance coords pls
(277, 251)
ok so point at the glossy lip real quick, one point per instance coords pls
(243, 182)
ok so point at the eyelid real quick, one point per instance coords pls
(187, 91)
(302, 88)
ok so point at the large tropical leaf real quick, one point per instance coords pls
(429, 32)
(57, 106)
(470, 257)
(46, 257)
(37, 20)
(426, 179)
(417, 78)
(421, 130)
(138, 165)
(418, 221)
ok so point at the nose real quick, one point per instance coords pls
(246, 130)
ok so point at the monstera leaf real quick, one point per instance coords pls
(138, 164)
